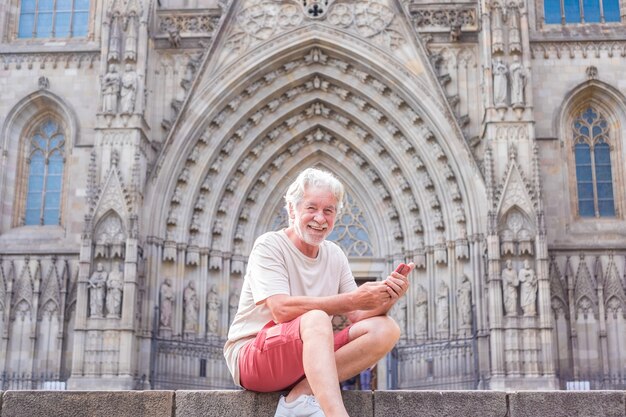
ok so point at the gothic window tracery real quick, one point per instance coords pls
(592, 155)
(53, 18)
(587, 11)
(45, 162)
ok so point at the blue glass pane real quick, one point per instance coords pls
(605, 191)
(80, 24)
(611, 10)
(55, 166)
(592, 10)
(44, 25)
(32, 217)
(62, 25)
(26, 26)
(81, 5)
(49, 128)
(37, 163)
(53, 183)
(552, 11)
(606, 208)
(583, 155)
(572, 11)
(586, 208)
(589, 115)
(596, 131)
(50, 217)
(35, 183)
(56, 141)
(585, 191)
(46, 5)
(52, 201)
(64, 6)
(28, 6)
(584, 130)
(602, 153)
(40, 142)
(33, 201)
(603, 173)
(583, 173)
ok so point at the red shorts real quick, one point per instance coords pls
(273, 360)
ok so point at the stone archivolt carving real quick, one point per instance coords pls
(260, 20)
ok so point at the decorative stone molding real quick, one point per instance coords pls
(430, 18)
(189, 23)
(558, 50)
(50, 60)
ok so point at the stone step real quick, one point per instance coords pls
(359, 404)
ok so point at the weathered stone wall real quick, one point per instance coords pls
(359, 403)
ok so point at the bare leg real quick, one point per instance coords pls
(370, 340)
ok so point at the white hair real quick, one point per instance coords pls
(313, 177)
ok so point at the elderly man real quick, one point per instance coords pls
(282, 336)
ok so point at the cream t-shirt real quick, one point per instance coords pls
(276, 266)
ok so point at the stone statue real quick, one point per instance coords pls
(421, 311)
(518, 82)
(233, 304)
(528, 290)
(464, 302)
(110, 90)
(510, 283)
(129, 90)
(166, 304)
(115, 39)
(213, 310)
(115, 285)
(443, 311)
(399, 313)
(500, 82)
(97, 284)
(190, 305)
(130, 43)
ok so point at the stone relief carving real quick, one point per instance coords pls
(129, 90)
(166, 304)
(500, 83)
(213, 310)
(518, 82)
(421, 312)
(111, 84)
(97, 288)
(189, 23)
(442, 16)
(443, 308)
(114, 287)
(464, 303)
(190, 308)
(510, 282)
(233, 304)
(49, 60)
(528, 289)
(572, 50)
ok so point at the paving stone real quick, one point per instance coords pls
(567, 404)
(439, 403)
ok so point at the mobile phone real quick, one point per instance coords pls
(403, 269)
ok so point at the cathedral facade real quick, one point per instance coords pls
(146, 144)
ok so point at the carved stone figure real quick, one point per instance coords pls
(233, 304)
(130, 43)
(110, 90)
(421, 311)
(510, 284)
(528, 290)
(97, 284)
(190, 305)
(443, 310)
(129, 90)
(464, 302)
(518, 82)
(115, 285)
(500, 82)
(213, 310)
(166, 304)
(400, 313)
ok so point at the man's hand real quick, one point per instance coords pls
(372, 295)
(399, 283)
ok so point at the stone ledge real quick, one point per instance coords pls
(359, 404)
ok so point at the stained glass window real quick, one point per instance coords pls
(45, 175)
(570, 11)
(592, 154)
(53, 18)
(350, 231)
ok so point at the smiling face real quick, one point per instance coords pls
(312, 219)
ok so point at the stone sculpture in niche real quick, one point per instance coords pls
(421, 311)
(110, 90)
(518, 82)
(190, 305)
(510, 283)
(464, 302)
(443, 310)
(129, 90)
(500, 83)
(115, 39)
(166, 304)
(497, 38)
(213, 310)
(515, 43)
(97, 283)
(130, 43)
(114, 284)
(528, 291)
(233, 304)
